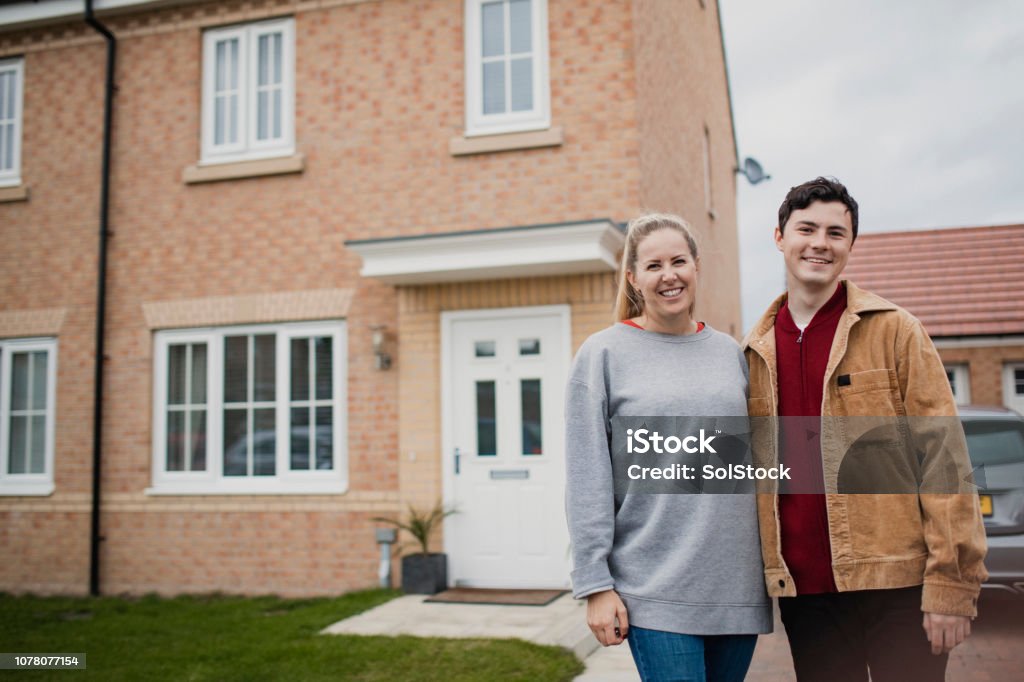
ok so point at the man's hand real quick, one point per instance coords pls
(945, 632)
(606, 616)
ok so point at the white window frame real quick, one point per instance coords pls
(11, 177)
(539, 118)
(27, 484)
(248, 147)
(961, 384)
(285, 481)
(1010, 397)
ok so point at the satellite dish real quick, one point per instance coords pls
(752, 171)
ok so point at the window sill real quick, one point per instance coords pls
(464, 146)
(16, 193)
(27, 490)
(295, 163)
(312, 488)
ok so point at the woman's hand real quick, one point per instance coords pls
(606, 616)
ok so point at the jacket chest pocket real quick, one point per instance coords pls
(870, 393)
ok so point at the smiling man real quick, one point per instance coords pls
(857, 575)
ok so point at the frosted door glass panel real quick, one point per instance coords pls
(486, 432)
(531, 415)
(484, 349)
(494, 87)
(519, 25)
(492, 17)
(522, 84)
(529, 346)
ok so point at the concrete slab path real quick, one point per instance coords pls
(995, 650)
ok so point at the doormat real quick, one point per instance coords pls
(476, 595)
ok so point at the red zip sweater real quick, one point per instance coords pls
(803, 519)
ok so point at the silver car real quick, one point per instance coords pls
(995, 439)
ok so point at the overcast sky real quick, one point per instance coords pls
(916, 105)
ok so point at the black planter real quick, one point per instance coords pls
(424, 573)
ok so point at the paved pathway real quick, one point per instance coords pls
(994, 652)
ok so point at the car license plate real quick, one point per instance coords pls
(986, 505)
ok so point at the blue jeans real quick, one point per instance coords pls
(673, 657)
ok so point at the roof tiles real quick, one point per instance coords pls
(965, 281)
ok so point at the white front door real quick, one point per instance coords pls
(505, 446)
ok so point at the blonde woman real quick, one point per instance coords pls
(678, 575)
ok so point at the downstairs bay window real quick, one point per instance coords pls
(259, 409)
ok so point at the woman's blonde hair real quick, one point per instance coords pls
(628, 301)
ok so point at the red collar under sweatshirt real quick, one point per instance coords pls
(803, 519)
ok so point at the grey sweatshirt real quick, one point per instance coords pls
(688, 563)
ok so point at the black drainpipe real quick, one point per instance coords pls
(101, 299)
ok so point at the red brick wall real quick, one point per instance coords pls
(379, 94)
(681, 89)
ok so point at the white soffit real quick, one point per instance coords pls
(533, 251)
(29, 13)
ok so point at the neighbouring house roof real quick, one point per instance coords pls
(965, 281)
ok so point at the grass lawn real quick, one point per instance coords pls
(264, 638)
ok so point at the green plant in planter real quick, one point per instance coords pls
(423, 572)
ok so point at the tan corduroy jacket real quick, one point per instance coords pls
(889, 369)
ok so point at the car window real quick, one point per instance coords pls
(993, 442)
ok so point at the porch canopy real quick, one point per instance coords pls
(500, 253)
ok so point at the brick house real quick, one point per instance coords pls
(964, 285)
(354, 244)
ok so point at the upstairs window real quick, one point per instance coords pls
(249, 91)
(507, 86)
(11, 79)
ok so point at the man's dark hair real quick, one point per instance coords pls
(818, 189)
